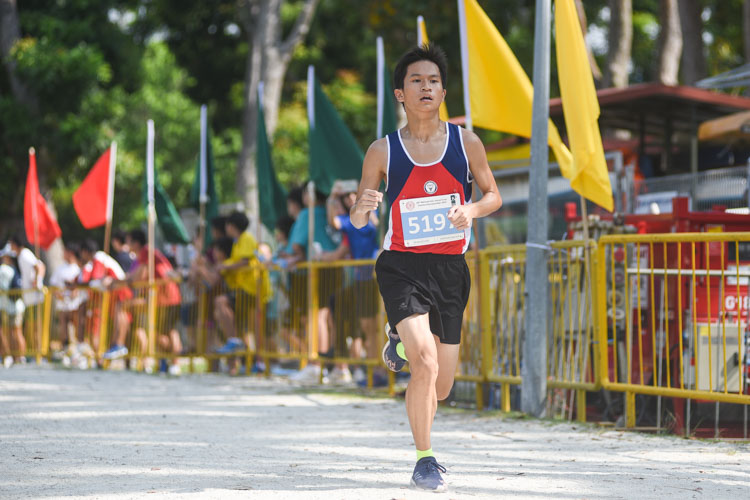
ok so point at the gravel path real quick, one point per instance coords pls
(124, 435)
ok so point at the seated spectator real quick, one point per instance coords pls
(246, 278)
(11, 306)
(167, 299)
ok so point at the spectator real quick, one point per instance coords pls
(245, 276)
(361, 297)
(294, 202)
(329, 279)
(12, 306)
(67, 300)
(168, 297)
(121, 251)
(31, 269)
(100, 271)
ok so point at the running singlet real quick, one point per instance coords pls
(420, 196)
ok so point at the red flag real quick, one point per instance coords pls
(41, 226)
(90, 199)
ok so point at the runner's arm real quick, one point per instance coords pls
(461, 216)
(373, 172)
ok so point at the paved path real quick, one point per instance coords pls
(125, 435)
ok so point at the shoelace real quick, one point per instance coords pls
(434, 465)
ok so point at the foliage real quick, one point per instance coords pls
(100, 68)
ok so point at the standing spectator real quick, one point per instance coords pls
(100, 271)
(362, 294)
(121, 251)
(67, 300)
(168, 297)
(32, 272)
(10, 305)
(329, 279)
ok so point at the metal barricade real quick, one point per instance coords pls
(24, 323)
(673, 319)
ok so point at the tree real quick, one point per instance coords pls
(693, 63)
(670, 42)
(267, 61)
(620, 43)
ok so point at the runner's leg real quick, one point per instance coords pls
(447, 361)
(421, 397)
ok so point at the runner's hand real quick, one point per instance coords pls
(460, 216)
(368, 201)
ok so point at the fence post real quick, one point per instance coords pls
(46, 322)
(103, 331)
(601, 361)
(581, 405)
(629, 409)
(485, 328)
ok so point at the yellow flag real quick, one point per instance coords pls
(588, 174)
(422, 40)
(500, 93)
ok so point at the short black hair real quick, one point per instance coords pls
(138, 235)
(284, 224)
(295, 195)
(219, 222)
(73, 247)
(119, 235)
(427, 52)
(224, 244)
(18, 238)
(238, 220)
(89, 245)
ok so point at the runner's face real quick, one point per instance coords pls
(423, 87)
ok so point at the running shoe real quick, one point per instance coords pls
(391, 356)
(233, 344)
(340, 376)
(8, 361)
(116, 352)
(427, 475)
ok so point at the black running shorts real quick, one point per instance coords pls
(419, 283)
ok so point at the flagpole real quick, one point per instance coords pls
(381, 113)
(110, 194)
(312, 320)
(420, 28)
(151, 223)
(203, 197)
(34, 212)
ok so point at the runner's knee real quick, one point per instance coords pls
(424, 364)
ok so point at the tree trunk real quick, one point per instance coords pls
(10, 33)
(693, 57)
(620, 43)
(746, 29)
(595, 71)
(267, 61)
(670, 43)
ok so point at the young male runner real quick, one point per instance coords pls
(428, 166)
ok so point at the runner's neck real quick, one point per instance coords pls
(424, 130)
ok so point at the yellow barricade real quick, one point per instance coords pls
(673, 318)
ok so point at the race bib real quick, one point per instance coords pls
(425, 220)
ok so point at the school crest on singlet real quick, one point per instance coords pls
(420, 196)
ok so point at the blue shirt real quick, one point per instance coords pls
(299, 232)
(363, 243)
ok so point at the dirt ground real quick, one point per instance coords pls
(100, 434)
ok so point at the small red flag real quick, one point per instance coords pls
(41, 227)
(90, 199)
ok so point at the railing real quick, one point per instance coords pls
(663, 316)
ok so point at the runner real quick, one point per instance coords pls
(428, 166)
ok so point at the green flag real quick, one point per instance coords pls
(386, 120)
(167, 217)
(271, 194)
(334, 153)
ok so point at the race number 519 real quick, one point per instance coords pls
(428, 223)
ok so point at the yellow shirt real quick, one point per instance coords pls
(254, 275)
